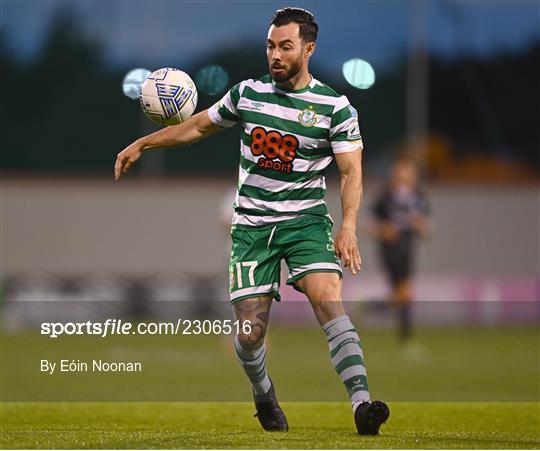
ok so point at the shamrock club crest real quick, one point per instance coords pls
(307, 117)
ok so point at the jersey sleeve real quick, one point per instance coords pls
(225, 112)
(344, 128)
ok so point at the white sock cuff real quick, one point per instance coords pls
(337, 326)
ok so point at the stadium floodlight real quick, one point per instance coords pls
(212, 80)
(358, 73)
(132, 82)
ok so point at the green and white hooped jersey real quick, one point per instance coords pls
(288, 140)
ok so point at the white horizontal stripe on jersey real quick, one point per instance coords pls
(256, 221)
(314, 266)
(271, 109)
(347, 146)
(343, 126)
(216, 118)
(281, 206)
(252, 290)
(227, 103)
(341, 102)
(308, 96)
(259, 181)
(299, 165)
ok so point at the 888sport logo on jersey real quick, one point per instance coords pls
(275, 150)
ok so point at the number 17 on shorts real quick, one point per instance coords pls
(241, 268)
(245, 282)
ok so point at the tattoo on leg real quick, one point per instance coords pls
(247, 306)
(263, 316)
(258, 331)
(256, 311)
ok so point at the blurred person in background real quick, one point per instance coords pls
(400, 214)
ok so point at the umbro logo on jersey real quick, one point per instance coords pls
(257, 106)
(254, 106)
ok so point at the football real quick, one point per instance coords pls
(168, 96)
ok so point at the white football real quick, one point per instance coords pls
(168, 96)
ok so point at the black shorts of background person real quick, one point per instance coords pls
(398, 258)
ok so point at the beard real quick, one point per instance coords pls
(287, 73)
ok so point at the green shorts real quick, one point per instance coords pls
(306, 244)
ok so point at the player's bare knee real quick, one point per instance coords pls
(327, 292)
(252, 340)
(328, 309)
(326, 302)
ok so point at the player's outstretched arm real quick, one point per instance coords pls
(350, 170)
(192, 130)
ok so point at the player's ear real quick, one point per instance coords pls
(310, 48)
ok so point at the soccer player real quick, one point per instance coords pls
(292, 126)
(401, 214)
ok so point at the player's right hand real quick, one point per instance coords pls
(346, 246)
(126, 158)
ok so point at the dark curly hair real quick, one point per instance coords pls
(306, 21)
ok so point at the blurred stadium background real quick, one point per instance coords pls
(457, 85)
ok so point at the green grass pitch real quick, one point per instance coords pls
(231, 425)
(468, 388)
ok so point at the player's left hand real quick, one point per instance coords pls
(346, 246)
